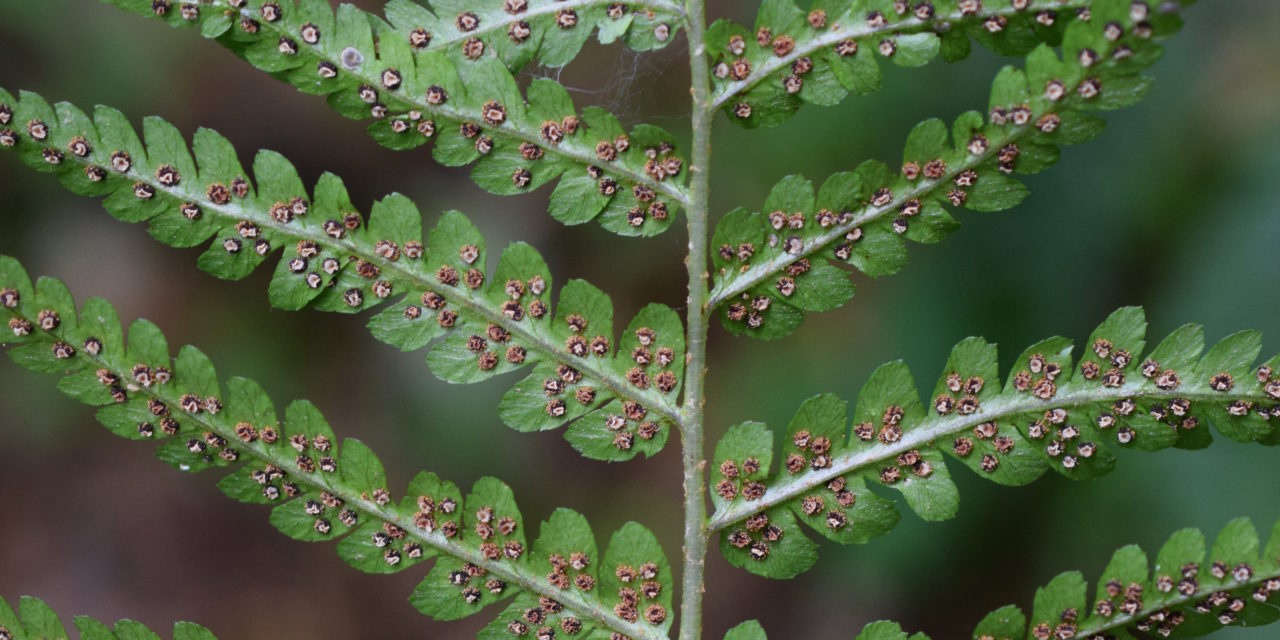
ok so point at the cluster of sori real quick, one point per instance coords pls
(1051, 414)
(406, 74)
(773, 266)
(323, 489)
(482, 322)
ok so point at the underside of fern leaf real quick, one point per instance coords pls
(370, 68)
(1186, 594)
(819, 56)
(1052, 413)
(324, 489)
(518, 32)
(453, 73)
(35, 620)
(774, 266)
(616, 394)
(882, 630)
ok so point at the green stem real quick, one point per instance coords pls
(694, 460)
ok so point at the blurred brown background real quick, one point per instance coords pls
(1174, 208)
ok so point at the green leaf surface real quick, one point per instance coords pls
(91, 629)
(1050, 414)
(133, 630)
(191, 631)
(1005, 623)
(1180, 597)
(634, 562)
(765, 263)
(539, 24)
(39, 622)
(819, 56)
(749, 630)
(409, 84)
(772, 546)
(321, 492)
(1063, 594)
(882, 630)
(435, 291)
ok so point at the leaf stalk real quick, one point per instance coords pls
(697, 322)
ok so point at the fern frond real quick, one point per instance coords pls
(886, 630)
(36, 620)
(517, 32)
(774, 266)
(818, 57)
(749, 630)
(1186, 594)
(326, 490)
(1051, 414)
(616, 394)
(632, 182)
(882, 630)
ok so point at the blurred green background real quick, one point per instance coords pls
(1173, 207)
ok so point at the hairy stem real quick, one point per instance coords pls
(695, 505)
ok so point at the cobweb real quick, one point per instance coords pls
(649, 87)
(634, 86)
